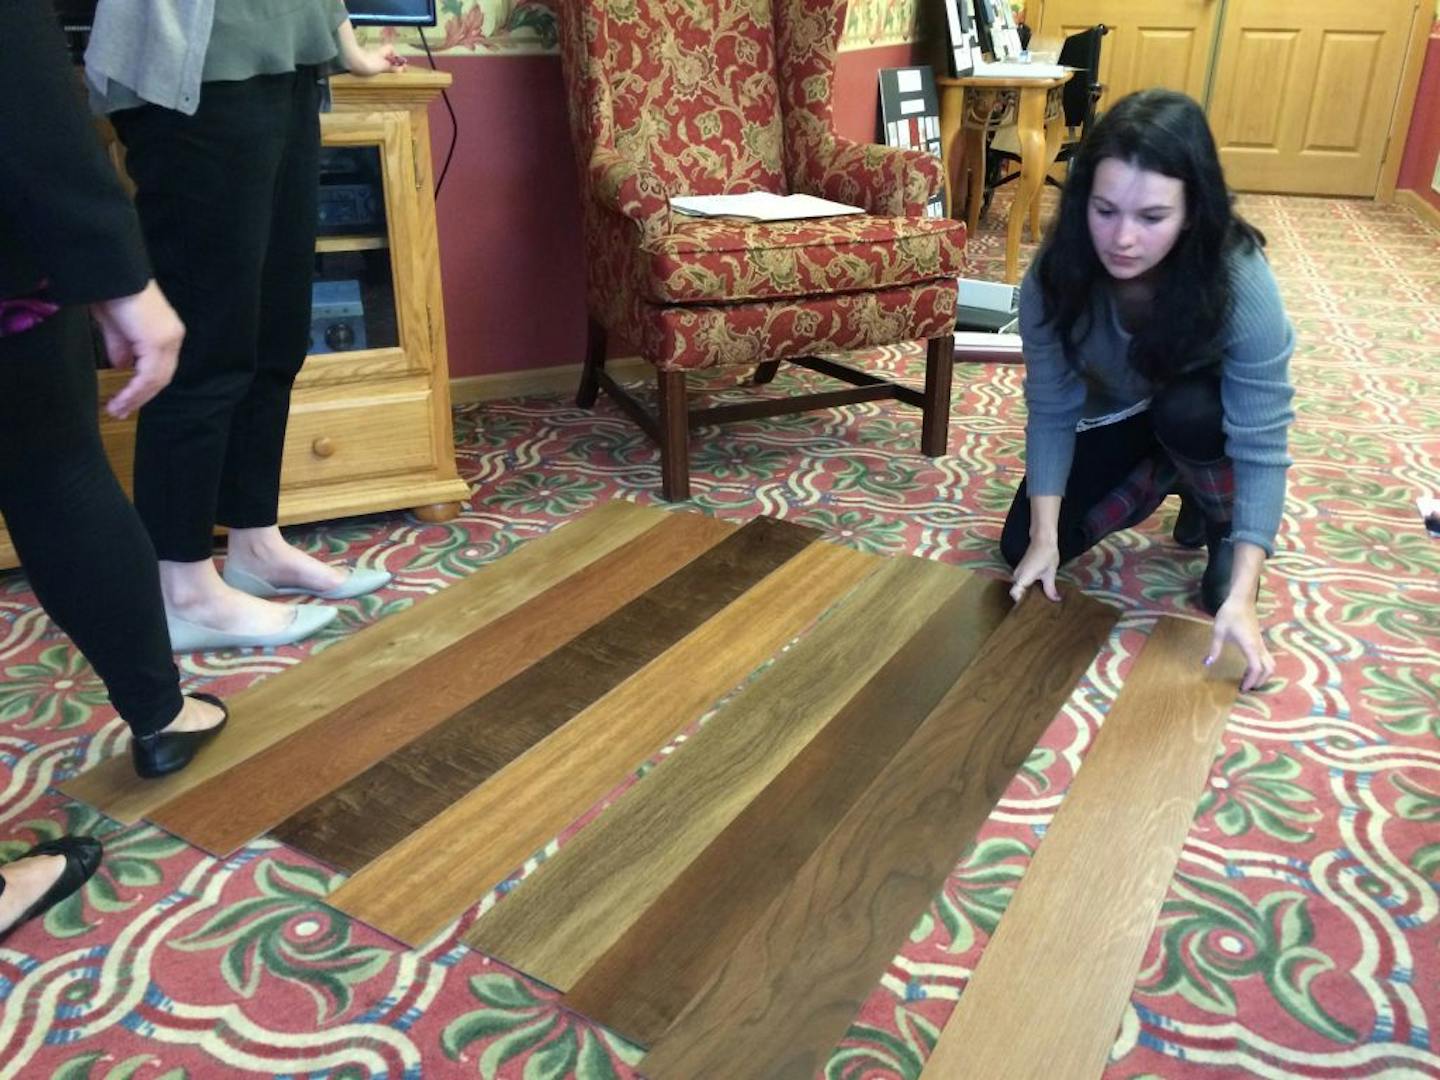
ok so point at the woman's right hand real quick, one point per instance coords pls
(141, 332)
(1040, 563)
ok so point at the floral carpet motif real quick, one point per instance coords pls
(1299, 938)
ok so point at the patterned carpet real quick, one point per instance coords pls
(1300, 938)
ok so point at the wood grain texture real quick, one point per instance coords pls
(793, 984)
(432, 876)
(377, 808)
(642, 983)
(283, 704)
(579, 902)
(234, 807)
(1051, 987)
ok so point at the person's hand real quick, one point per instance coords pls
(1040, 563)
(363, 61)
(142, 332)
(1237, 623)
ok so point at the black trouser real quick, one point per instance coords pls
(84, 549)
(227, 199)
(1121, 472)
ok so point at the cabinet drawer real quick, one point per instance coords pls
(329, 443)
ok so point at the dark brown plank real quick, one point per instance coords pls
(639, 987)
(238, 804)
(788, 991)
(380, 807)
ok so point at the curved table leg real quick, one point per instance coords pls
(952, 108)
(1032, 173)
(975, 162)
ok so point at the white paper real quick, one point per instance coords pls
(1015, 70)
(907, 81)
(911, 107)
(761, 206)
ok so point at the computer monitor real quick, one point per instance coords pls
(391, 12)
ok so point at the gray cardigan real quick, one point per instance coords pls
(1255, 392)
(153, 47)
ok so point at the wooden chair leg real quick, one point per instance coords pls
(939, 370)
(765, 372)
(594, 363)
(674, 437)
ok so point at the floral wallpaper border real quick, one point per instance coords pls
(517, 27)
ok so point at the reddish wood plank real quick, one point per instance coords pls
(234, 807)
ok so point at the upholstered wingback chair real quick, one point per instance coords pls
(702, 97)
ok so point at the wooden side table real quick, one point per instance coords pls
(975, 105)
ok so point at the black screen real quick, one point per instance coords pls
(391, 12)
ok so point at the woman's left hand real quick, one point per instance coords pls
(1237, 623)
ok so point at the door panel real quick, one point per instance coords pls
(1151, 42)
(1304, 91)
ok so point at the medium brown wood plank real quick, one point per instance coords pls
(579, 902)
(639, 987)
(1051, 987)
(377, 808)
(432, 876)
(282, 704)
(789, 990)
(234, 807)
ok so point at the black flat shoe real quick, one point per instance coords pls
(165, 752)
(1189, 524)
(1215, 585)
(82, 856)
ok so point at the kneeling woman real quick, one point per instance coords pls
(1156, 355)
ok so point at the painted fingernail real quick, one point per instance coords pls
(1209, 660)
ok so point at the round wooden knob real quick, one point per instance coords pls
(323, 447)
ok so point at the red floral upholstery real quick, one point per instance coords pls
(718, 259)
(681, 97)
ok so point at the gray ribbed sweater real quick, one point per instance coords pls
(1255, 392)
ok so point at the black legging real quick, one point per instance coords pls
(81, 544)
(228, 202)
(1185, 419)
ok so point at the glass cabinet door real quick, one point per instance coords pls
(353, 305)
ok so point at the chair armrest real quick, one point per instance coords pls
(886, 180)
(632, 191)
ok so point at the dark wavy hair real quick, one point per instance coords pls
(1165, 132)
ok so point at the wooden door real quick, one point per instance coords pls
(1304, 92)
(1150, 43)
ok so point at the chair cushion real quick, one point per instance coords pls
(722, 260)
(698, 336)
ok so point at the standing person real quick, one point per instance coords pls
(1156, 353)
(69, 240)
(217, 102)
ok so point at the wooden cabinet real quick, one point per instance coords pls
(370, 429)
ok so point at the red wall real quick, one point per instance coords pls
(509, 214)
(1422, 146)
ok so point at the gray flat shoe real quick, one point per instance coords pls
(186, 636)
(358, 583)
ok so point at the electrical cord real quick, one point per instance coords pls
(454, 121)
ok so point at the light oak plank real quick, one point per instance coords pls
(792, 986)
(1051, 987)
(288, 702)
(642, 983)
(431, 877)
(239, 804)
(578, 903)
